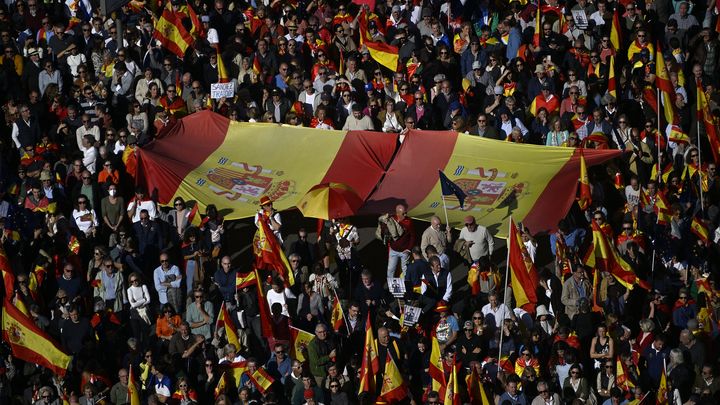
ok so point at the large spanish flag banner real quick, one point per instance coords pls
(536, 185)
(29, 343)
(210, 160)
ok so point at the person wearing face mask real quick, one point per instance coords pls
(112, 208)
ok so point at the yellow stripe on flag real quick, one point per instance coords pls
(508, 176)
(244, 158)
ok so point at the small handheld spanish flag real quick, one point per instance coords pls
(699, 229)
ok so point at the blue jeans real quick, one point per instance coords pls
(190, 267)
(393, 258)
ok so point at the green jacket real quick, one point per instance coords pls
(318, 362)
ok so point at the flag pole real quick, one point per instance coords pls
(659, 175)
(504, 284)
(700, 173)
(447, 222)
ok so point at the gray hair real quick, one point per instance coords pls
(676, 356)
(229, 348)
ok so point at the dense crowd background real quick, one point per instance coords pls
(121, 282)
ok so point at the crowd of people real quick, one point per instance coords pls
(131, 288)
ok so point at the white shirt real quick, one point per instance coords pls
(448, 289)
(85, 225)
(89, 158)
(281, 297)
(148, 205)
(160, 276)
(499, 313)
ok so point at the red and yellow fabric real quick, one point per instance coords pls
(636, 46)
(704, 116)
(171, 33)
(370, 362)
(74, 244)
(300, 340)
(223, 75)
(602, 256)
(329, 201)
(186, 11)
(435, 368)
(699, 229)
(269, 254)
(337, 319)
(616, 31)
(662, 391)
(452, 390)
(476, 391)
(225, 321)
(133, 392)
(622, 381)
(498, 178)
(677, 135)
(521, 364)
(524, 277)
(551, 104)
(194, 217)
(612, 82)
(393, 388)
(667, 91)
(243, 280)
(222, 385)
(227, 164)
(29, 343)
(585, 194)
(384, 54)
(262, 380)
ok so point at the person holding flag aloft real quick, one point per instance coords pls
(270, 215)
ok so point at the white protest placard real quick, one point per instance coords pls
(411, 315)
(220, 90)
(397, 287)
(581, 19)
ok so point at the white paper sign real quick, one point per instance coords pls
(220, 90)
(581, 20)
(412, 315)
(396, 286)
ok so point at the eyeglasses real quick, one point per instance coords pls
(280, 352)
(609, 366)
(82, 202)
(208, 365)
(198, 296)
(622, 122)
(683, 297)
(164, 261)
(694, 155)
(147, 356)
(469, 224)
(573, 92)
(542, 391)
(334, 386)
